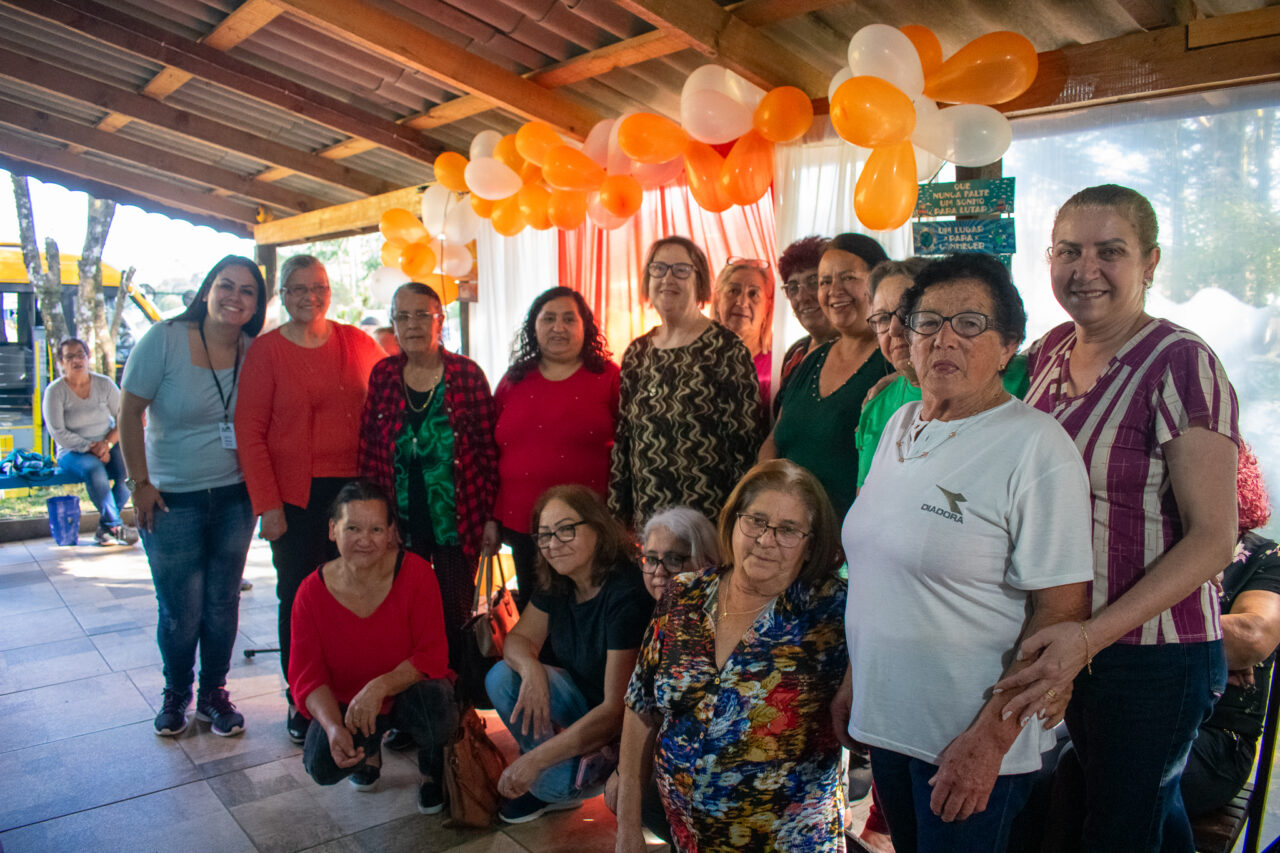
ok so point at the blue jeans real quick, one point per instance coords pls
(1132, 722)
(197, 551)
(97, 478)
(902, 786)
(556, 784)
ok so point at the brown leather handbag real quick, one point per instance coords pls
(472, 766)
(493, 610)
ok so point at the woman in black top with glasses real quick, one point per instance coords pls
(689, 416)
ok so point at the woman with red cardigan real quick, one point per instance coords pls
(297, 419)
(557, 408)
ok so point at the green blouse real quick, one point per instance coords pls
(424, 470)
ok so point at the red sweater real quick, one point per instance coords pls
(550, 433)
(333, 646)
(298, 413)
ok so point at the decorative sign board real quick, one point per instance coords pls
(993, 236)
(966, 198)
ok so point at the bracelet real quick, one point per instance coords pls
(1088, 658)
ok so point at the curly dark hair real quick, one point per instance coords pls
(803, 254)
(525, 352)
(1011, 316)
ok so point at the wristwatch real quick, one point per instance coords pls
(133, 485)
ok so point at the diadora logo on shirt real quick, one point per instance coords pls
(951, 511)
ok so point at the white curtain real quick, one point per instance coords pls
(512, 271)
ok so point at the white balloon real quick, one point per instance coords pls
(653, 175)
(601, 217)
(879, 50)
(491, 179)
(596, 145)
(726, 82)
(483, 143)
(711, 116)
(842, 75)
(927, 165)
(457, 260)
(462, 224)
(383, 282)
(618, 163)
(436, 202)
(967, 135)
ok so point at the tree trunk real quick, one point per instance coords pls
(91, 316)
(113, 332)
(48, 286)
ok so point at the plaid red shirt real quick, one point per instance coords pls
(469, 405)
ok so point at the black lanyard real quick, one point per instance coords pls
(235, 375)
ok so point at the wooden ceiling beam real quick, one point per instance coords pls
(392, 37)
(350, 218)
(122, 102)
(142, 38)
(215, 177)
(761, 13)
(21, 148)
(1229, 50)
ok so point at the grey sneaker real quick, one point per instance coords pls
(123, 534)
(172, 719)
(214, 707)
(103, 537)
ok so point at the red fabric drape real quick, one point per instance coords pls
(605, 265)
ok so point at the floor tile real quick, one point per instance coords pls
(128, 648)
(49, 663)
(21, 575)
(260, 623)
(593, 829)
(287, 821)
(189, 815)
(427, 832)
(39, 594)
(264, 740)
(69, 709)
(259, 676)
(14, 552)
(80, 773)
(38, 626)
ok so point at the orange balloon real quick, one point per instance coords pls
(621, 195)
(449, 168)
(507, 218)
(991, 69)
(703, 166)
(505, 152)
(567, 168)
(885, 194)
(533, 206)
(647, 138)
(870, 111)
(535, 139)
(784, 114)
(567, 209)
(531, 174)
(445, 286)
(482, 206)
(417, 260)
(400, 226)
(927, 46)
(748, 170)
(390, 254)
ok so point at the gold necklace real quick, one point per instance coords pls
(408, 399)
(724, 613)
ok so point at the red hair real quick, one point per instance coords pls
(1252, 502)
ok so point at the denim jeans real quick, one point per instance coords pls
(98, 477)
(426, 710)
(197, 551)
(1132, 722)
(902, 786)
(556, 784)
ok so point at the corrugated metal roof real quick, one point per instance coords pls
(320, 189)
(188, 147)
(391, 166)
(49, 102)
(30, 36)
(232, 108)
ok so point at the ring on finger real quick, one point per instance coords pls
(1051, 694)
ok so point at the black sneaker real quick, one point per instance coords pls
(365, 778)
(103, 537)
(430, 797)
(172, 719)
(398, 740)
(296, 725)
(214, 707)
(527, 807)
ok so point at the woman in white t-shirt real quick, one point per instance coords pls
(971, 531)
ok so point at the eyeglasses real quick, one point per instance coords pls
(402, 317)
(754, 527)
(792, 288)
(565, 533)
(314, 290)
(966, 324)
(754, 263)
(881, 320)
(671, 563)
(657, 269)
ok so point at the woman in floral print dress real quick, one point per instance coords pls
(729, 699)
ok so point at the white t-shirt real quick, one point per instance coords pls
(943, 549)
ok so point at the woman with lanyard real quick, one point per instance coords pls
(189, 496)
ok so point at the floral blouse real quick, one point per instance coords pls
(746, 758)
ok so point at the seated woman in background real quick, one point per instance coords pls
(80, 410)
(743, 302)
(729, 704)
(589, 611)
(557, 407)
(369, 651)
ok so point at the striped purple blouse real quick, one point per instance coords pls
(1162, 382)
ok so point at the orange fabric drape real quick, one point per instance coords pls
(605, 265)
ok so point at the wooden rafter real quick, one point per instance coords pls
(761, 13)
(395, 38)
(22, 148)
(215, 177)
(350, 218)
(140, 37)
(131, 106)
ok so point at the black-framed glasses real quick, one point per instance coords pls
(792, 288)
(657, 269)
(880, 321)
(755, 526)
(402, 317)
(300, 290)
(565, 533)
(670, 562)
(966, 324)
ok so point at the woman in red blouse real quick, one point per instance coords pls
(557, 407)
(370, 652)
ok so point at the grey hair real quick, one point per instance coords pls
(296, 263)
(908, 269)
(691, 527)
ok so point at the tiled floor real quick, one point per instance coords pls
(81, 770)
